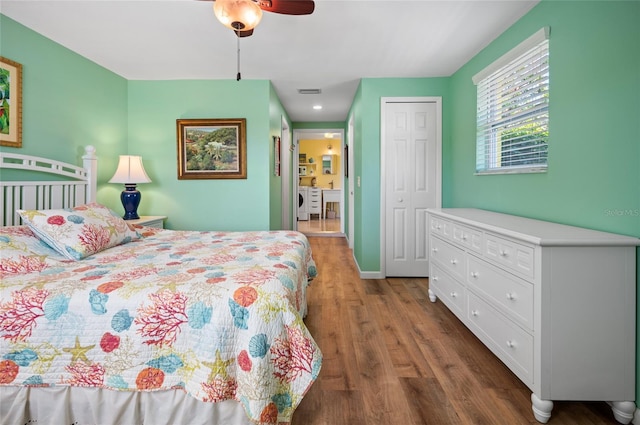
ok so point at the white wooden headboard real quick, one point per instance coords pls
(78, 187)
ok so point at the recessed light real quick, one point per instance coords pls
(317, 107)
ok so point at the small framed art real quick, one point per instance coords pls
(276, 155)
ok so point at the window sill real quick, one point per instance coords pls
(523, 170)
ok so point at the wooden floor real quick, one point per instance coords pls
(320, 227)
(391, 357)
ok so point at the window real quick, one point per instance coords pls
(513, 110)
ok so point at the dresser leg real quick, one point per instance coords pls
(432, 296)
(623, 411)
(541, 408)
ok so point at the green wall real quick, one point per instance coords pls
(320, 125)
(366, 111)
(594, 145)
(221, 204)
(68, 101)
(593, 178)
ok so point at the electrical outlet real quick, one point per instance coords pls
(358, 180)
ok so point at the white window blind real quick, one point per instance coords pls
(513, 109)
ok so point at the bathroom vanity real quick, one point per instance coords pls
(330, 195)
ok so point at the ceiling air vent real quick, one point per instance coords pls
(309, 91)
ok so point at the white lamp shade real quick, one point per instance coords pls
(130, 170)
(242, 15)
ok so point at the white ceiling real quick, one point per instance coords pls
(341, 42)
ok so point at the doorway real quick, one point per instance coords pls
(318, 169)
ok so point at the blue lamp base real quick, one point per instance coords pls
(130, 198)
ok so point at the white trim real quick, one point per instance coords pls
(367, 275)
(511, 170)
(285, 175)
(351, 169)
(383, 143)
(531, 42)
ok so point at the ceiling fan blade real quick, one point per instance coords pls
(288, 7)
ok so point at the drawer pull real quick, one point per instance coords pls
(474, 275)
(454, 261)
(474, 313)
(434, 250)
(435, 278)
(504, 253)
(511, 344)
(464, 237)
(511, 296)
(453, 294)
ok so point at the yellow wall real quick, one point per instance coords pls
(315, 149)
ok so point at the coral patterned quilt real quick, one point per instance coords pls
(216, 314)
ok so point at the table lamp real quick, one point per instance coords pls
(130, 172)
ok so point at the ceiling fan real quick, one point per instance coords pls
(242, 16)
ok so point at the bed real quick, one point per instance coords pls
(106, 323)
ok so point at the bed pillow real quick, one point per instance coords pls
(23, 252)
(81, 231)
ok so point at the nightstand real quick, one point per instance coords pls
(156, 221)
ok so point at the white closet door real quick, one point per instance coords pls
(411, 185)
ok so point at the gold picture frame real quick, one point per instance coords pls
(212, 148)
(10, 103)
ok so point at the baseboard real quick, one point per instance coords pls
(367, 275)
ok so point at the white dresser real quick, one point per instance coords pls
(556, 303)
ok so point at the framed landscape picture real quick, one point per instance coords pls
(10, 103)
(212, 148)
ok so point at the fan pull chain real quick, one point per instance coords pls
(238, 37)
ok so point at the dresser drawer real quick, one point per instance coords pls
(516, 256)
(315, 195)
(314, 208)
(450, 257)
(468, 237)
(441, 227)
(508, 293)
(450, 291)
(507, 340)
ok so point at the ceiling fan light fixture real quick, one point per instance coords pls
(238, 15)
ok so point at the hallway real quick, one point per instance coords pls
(315, 227)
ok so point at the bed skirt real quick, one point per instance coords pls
(95, 406)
